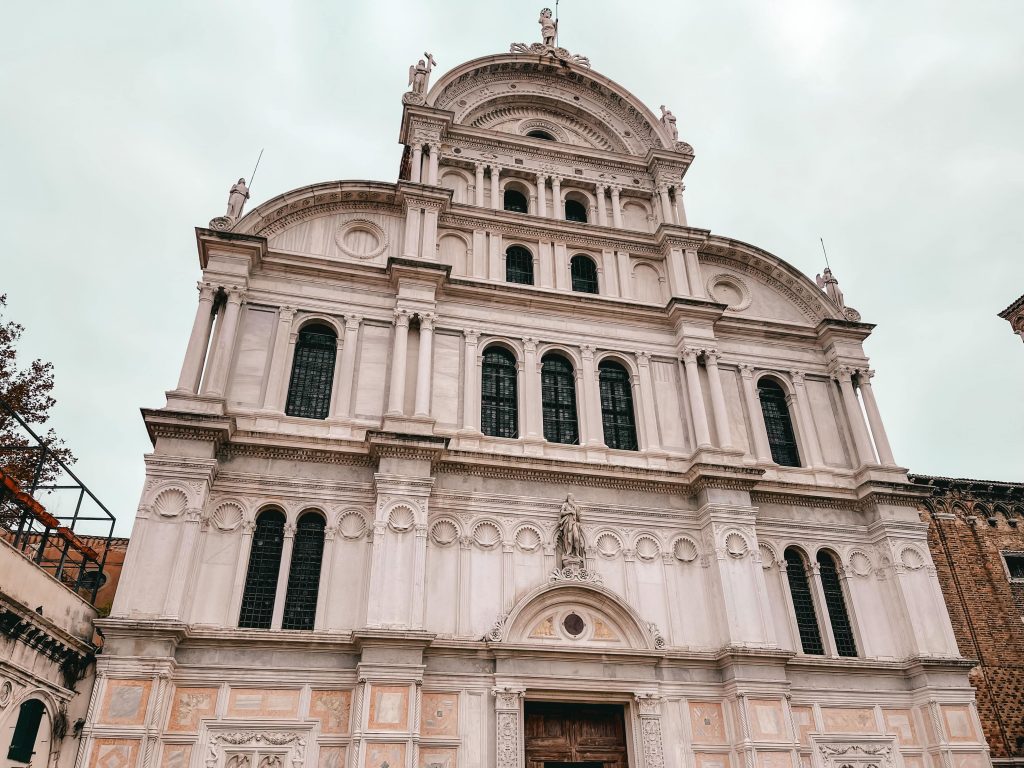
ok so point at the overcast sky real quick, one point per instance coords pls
(892, 129)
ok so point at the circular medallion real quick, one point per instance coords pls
(574, 624)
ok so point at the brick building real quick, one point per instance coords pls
(977, 543)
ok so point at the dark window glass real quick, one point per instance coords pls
(584, 274)
(558, 398)
(803, 604)
(261, 577)
(309, 390)
(499, 406)
(304, 573)
(617, 407)
(541, 135)
(575, 211)
(836, 604)
(1015, 565)
(515, 201)
(779, 424)
(23, 743)
(519, 265)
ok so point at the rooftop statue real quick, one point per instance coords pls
(669, 121)
(548, 28)
(830, 285)
(419, 74)
(549, 45)
(236, 199)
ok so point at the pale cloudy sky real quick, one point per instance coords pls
(891, 129)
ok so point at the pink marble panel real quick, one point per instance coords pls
(114, 753)
(438, 757)
(189, 706)
(774, 760)
(710, 760)
(900, 722)
(913, 761)
(849, 720)
(263, 703)
(175, 755)
(440, 715)
(969, 760)
(389, 708)
(959, 726)
(803, 719)
(332, 709)
(766, 720)
(331, 757)
(707, 722)
(125, 702)
(384, 756)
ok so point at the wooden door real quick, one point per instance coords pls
(567, 735)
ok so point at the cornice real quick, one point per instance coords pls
(184, 425)
(316, 199)
(294, 453)
(404, 446)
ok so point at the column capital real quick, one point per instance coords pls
(471, 335)
(352, 322)
(746, 370)
(236, 294)
(286, 314)
(643, 357)
(842, 373)
(601, 188)
(648, 704)
(542, 178)
(530, 344)
(507, 697)
(864, 376)
(587, 351)
(689, 355)
(330, 532)
(615, 189)
(797, 377)
(402, 317)
(427, 320)
(289, 530)
(206, 290)
(712, 356)
(480, 167)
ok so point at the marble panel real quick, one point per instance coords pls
(849, 720)
(175, 756)
(125, 702)
(384, 755)
(114, 753)
(331, 757)
(252, 356)
(901, 723)
(263, 703)
(374, 349)
(189, 706)
(707, 722)
(766, 720)
(447, 369)
(389, 708)
(803, 720)
(774, 760)
(969, 760)
(913, 761)
(711, 760)
(958, 723)
(438, 757)
(440, 715)
(332, 709)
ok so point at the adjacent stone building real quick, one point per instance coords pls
(505, 463)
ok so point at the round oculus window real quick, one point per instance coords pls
(574, 624)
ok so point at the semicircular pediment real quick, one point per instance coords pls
(520, 114)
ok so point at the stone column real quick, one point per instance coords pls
(592, 213)
(807, 429)
(185, 554)
(326, 575)
(875, 418)
(225, 343)
(419, 571)
(241, 568)
(666, 204)
(495, 196)
(616, 209)
(625, 277)
(346, 375)
(396, 396)
(508, 707)
(531, 390)
(480, 185)
(281, 592)
(721, 417)
(844, 375)
(428, 245)
(821, 610)
(762, 451)
(591, 398)
(417, 164)
(198, 342)
(680, 208)
(470, 383)
(424, 365)
(602, 208)
(557, 209)
(280, 360)
(435, 161)
(696, 392)
(648, 709)
(693, 274)
(542, 202)
(652, 440)
(411, 238)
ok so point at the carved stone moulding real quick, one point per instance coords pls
(361, 239)
(730, 290)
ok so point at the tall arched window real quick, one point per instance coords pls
(838, 616)
(518, 265)
(575, 211)
(499, 394)
(558, 400)
(26, 731)
(515, 201)
(309, 389)
(584, 274)
(304, 573)
(617, 416)
(778, 422)
(803, 603)
(261, 576)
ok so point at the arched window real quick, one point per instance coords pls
(539, 134)
(304, 573)
(575, 211)
(836, 604)
(617, 416)
(558, 400)
(499, 394)
(261, 576)
(309, 390)
(26, 730)
(518, 265)
(779, 423)
(803, 603)
(515, 201)
(584, 274)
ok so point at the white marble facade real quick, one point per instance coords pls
(442, 605)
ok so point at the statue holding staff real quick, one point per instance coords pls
(570, 531)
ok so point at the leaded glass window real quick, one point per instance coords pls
(304, 573)
(584, 274)
(518, 265)
(261, 576)
(515, 201)
(778, 423)
(836, 604)
(617, 415)
(558, 400)
(575, 211)
(803, 603)
(499, 394)
(309, 389)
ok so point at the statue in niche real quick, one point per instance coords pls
(669, 121)
(548, 27)
(830, 285)
(419, 74)
(236, 199)
(570, 533)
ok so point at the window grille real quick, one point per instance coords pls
(518, 265)
(558, 399)
(304, 573)
(836, 604)
(309, 390)
(803, 603)
(23, 742)
(617, 416)
(499, 406)
(778, 423)
(584, 274)
(261, 576)
(515, 201)
(1014, 566)
(575, 211)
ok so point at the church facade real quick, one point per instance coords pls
(506, 464)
